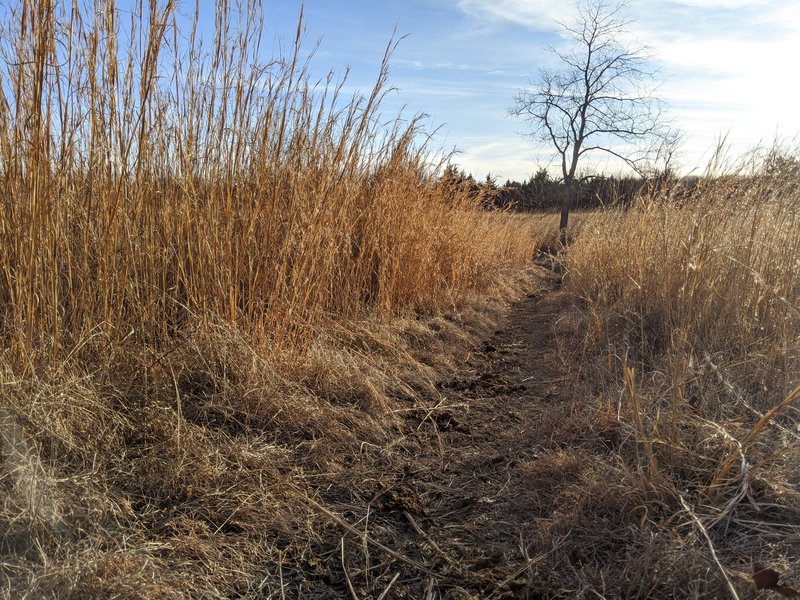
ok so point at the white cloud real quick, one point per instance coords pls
(513, 158)
(434, 65)
(433, 88)
(728, 68)
(540, 15)
(717, 4)
(735, 80)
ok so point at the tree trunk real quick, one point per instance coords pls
(568, 195)
(565, 204)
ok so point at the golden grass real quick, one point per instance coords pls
(215, 299)
(222, 283)
(690, 309)
(150, 179)
(708, 280)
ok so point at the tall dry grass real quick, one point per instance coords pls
(151, 177)
(201, 248)
(691, 322)
(708, 278)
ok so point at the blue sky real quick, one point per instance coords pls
(728, 67)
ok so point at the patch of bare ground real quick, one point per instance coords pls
(460, 496)
(487, 493)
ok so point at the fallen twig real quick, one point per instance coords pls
(702, 529)
(362, 535)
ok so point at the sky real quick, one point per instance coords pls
(726, 68)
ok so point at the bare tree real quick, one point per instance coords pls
(599, 100)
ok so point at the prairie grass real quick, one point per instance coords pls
(690, 316)
(151, 178)
(222, 281)
(707, 280)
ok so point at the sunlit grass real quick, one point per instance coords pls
(152, 179)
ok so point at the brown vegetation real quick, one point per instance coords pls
(241, 328)
(691, 312)
(201, 253)
(148, 183)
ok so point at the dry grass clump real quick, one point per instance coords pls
(692, 345)
(150, 175)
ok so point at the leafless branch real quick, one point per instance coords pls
(601, 99)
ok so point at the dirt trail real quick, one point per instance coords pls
(465, 504)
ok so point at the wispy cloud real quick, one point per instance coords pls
(727, 67)
(716, 4)
(432, 88)
(510, 158)
(540, 15)
(434, 65)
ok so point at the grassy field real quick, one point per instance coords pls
(207, 293)
(689, 367)
(214, 299)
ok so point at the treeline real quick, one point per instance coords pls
(542, 192)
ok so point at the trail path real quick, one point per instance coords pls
(468, 501)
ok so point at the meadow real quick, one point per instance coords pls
(690, 334)
(219, 300)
